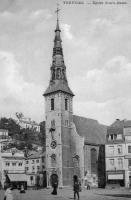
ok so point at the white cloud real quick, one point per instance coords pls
(24, 21)
(67, 31)
(16, 93)
(104, 93)
(96, 47)
(104, 112)
(112, 81)
(41, 13)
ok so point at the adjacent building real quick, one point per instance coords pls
(26, 122)
(35, 169)
(12, 163)
(118, 153)
(127, 135)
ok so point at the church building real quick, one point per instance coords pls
(72, 142)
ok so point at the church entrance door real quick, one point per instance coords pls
(54, 180)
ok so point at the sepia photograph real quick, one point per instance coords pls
(65, 99)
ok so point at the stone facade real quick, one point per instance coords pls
(58, 138)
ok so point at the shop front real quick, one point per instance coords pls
(17, 180)
(116, 178)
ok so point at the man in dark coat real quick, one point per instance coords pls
(54, 182)
(76, 187)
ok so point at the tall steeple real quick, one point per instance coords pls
(58, 79)
(59, 118)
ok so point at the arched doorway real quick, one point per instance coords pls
(54, 180)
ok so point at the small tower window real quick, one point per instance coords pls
(53, 123)
(66, 104)
(52, 104)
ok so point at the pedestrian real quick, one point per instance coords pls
(80, 187)
(22, 190)
(88, 186)
(76, 187)
(55, 185)
(8, 193)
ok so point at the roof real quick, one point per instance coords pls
(28, 122)
(127, 123)
(36, 155)
(58, 86)
(17, 177)
(118, 126)
(90, 129)
(15, 150)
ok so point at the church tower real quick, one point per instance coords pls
(59, 118)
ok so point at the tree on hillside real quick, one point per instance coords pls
(10, 125)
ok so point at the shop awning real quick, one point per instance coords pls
(17, 177)
(115, 177)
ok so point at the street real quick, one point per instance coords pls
(67, 193)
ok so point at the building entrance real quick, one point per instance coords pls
(54, 180)
(54, 183)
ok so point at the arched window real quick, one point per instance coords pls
(93, 160)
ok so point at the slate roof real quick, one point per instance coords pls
(127, 123)
(118, 126)
(90, 129)
(118, 123)
(58, 86)
(38, 154)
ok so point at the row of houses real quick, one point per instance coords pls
(21, 170)
(104, 164)
(29, 171)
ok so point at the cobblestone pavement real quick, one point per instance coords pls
(67, 194)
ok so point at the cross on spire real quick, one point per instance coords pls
(57, 10)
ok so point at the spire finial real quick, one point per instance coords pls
(57, 11)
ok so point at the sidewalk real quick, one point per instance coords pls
(67, 193)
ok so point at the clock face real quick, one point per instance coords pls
(53, 144)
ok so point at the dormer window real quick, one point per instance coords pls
(52, 104)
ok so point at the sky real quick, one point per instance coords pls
(96, 42)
